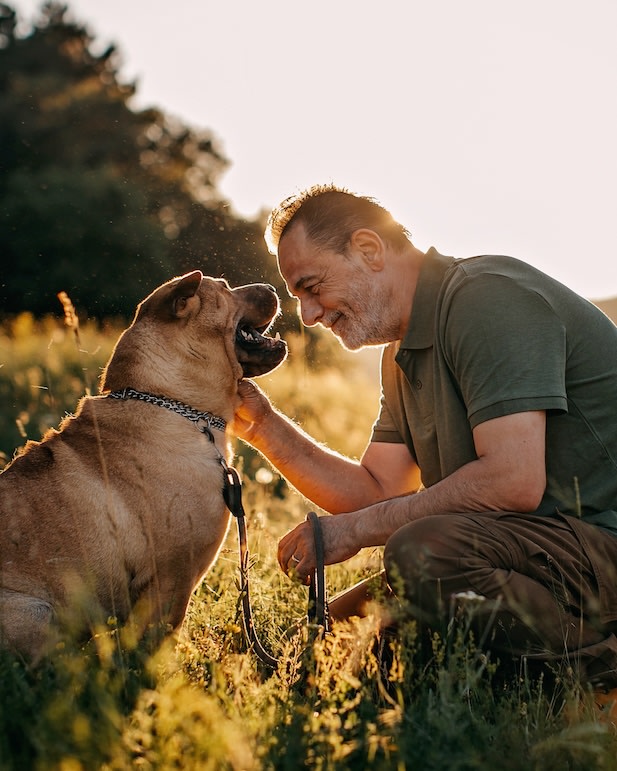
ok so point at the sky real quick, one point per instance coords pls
(485, 126)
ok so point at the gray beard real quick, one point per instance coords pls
(370, 318)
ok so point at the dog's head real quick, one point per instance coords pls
(193, 320)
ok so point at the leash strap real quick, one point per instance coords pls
(318, 595)
(317, 615)
(232, 493)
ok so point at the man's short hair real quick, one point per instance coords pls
(330, 214)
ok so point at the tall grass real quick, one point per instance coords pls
(355, 699)
(44, 370)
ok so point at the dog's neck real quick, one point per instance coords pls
(204, 421)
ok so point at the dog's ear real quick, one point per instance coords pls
(185, 288)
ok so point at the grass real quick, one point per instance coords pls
(352, 700)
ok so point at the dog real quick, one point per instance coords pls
(120, 512)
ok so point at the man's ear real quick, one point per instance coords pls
(370, 246)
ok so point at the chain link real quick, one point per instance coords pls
(211, 421)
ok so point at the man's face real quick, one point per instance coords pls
(338, 291)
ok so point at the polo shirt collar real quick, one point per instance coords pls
(421, 330)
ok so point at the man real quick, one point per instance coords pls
(492, 467)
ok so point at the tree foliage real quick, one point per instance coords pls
(96, 198)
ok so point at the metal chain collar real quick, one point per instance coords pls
(211, 421)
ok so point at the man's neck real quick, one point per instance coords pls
(407, 271)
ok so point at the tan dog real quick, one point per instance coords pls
(123, 507)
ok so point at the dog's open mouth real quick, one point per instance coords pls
(257, 351)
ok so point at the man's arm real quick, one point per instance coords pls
(331, 481)
(508, 475)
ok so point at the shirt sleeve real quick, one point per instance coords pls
(384, 428)
(506, 348)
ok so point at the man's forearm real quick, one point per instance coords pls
(476, 486)
(329, 480)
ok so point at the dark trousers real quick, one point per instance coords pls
(550, 584)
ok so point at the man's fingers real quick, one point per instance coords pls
(286, 549)
(296, 553)
(289, 561)
(246, 388)
(293, 567)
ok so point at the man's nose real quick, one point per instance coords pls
(310, 311)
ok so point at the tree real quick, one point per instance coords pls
(97, 199)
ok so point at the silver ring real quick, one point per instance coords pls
(294, 558)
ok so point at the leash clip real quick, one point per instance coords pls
(205, 429)
(232, 491)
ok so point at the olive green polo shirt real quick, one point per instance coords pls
(491, 336)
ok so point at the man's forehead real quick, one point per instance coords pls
(299, 259)
(298, 276)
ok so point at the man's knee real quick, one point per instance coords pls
(414, 554)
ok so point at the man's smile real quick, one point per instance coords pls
(333, 320)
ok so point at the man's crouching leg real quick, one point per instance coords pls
(539, 584)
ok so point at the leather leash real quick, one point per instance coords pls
(232, 493)
(317, 614)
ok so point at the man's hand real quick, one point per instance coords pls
(296, 551)
(252, 410)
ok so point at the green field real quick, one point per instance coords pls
(207, 703)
